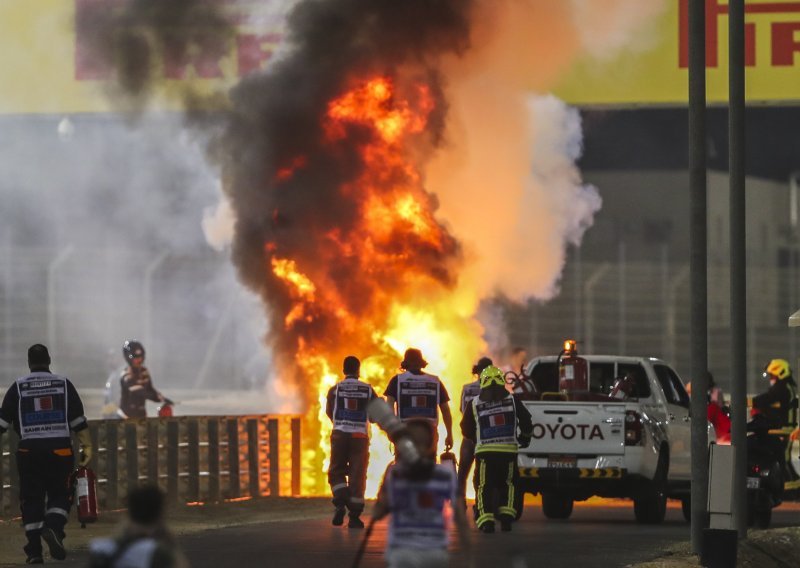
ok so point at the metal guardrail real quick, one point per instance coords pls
(192, 458)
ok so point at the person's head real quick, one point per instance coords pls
(482, 363)
(133, 351)
(710, 379)
(38, 358)
(413, 360)
(519, 356)
(351, 367)
(423, 433)
(493, 383)
(145, 504)
(777, 370)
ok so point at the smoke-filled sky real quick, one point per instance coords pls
(496, 159)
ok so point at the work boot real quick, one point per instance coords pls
(55, 542)
(338, 517)
(505, 524)
(355, 522)
(487, 527)
(33, 553)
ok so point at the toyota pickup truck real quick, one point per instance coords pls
(602, 440)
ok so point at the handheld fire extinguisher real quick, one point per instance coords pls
(572, 370)
(84, 483)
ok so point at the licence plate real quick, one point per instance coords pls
(753, 482)
(562, 462)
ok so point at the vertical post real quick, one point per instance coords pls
(665, 300)
(62, 257)
(698, 265)
(8, 323)
(112, 473)
(152, 451)
(623, 312)
(193, 439)
(253, 469)
(213, 460)
(147, 297)
(736, 160)
(172, 460)
(131, 455)
(577, 289)
(13, 472)
(233, 459)
(2, 476)
(296, 456)
(274, 458)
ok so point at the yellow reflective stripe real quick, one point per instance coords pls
(504, 448)
(510, 483)
(485, 518)
(482, 481)
(510, 511)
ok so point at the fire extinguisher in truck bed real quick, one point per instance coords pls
(84, 483)
(572, 369)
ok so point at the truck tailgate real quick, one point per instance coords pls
(578, 428)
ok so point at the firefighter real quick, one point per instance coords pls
(491, 422)
(467, 453)
(347, 475)
(416, 394)
(415, 497)
(136, 386)
(778, 405)
(145, 541)
(44, 408)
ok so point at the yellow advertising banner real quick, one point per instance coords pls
(48, 65)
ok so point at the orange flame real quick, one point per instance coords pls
(407, 302)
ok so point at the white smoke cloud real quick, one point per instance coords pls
(218, 223)
(606, 27)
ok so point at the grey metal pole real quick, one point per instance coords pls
(736, 158)
(698, 266)
(621, 295)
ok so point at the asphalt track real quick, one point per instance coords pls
(602, 534)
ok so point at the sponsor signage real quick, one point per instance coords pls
(49, 66)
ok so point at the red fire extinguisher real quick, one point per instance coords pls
(84, 482)
(572, 370)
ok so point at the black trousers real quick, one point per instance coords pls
(347, 474)
(495, 473)
(44, 492)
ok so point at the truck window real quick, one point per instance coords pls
(640, 377)
(601, 377)
(672, 386)
(545, 377)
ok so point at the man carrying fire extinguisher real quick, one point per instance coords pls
(43, 408)
(491, 421)
(347, 475)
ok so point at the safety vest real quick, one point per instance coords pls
(350, 406)
(496, 423)
(42, 406)
(417, 507)
(791, 415)
(468, 392)
(136, 554)
(418, 396)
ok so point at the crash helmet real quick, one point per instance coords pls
(491, 375)
(778, 368)
(132, 349)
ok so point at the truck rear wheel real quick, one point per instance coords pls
(650, 505)
(556, 505)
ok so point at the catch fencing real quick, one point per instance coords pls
(193, 459)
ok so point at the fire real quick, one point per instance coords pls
(385, 282)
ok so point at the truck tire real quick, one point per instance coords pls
(650, 505)
(556, 505)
